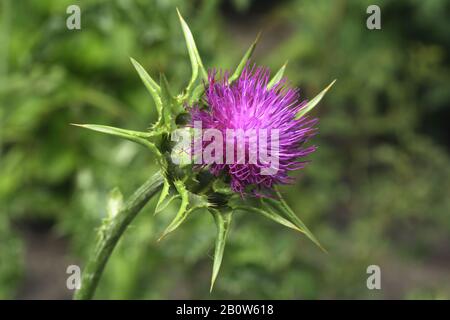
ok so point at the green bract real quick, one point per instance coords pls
(196, 189)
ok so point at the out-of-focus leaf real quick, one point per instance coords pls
(311, 104)
(11, 256)
(277, 77)
(115, 201)
(196, 61)
(223, 221)
(244, 60)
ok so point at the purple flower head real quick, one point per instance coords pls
(248, 104)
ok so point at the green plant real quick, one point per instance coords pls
(196, 189)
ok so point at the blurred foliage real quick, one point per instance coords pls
(375, 193)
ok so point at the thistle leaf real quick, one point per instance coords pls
(197, 93)
(167, 200)
(171, 108)
(115, 202)
(244, 60)
(151, 86)
(272, 215)
(135, 136)
(132, 135)
(277, 77)
(283, 208)
(223, 221)
(166, 196)
(311, 104)
(182, 211)
(189, 203)
(166, 92)
(194, 56)
(220, 186)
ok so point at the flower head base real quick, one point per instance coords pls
(250, 106)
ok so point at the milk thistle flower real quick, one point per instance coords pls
(245, 99)
(251, 104)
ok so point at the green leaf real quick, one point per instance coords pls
(189, 203)
(311, 104)
(115, 202)
(272, 215)
(276, 210)
(194, 56)
(135, 136)
(223, 221)
(182, 211)
(169, 103)
(277, 77)
(166, 202)
(197, 94)
(166, 92)
(151, 86)
(171, 108)
(244, 60)
(132, 135)
(282, 207)
(163, 195)
(221, 187)
(166, 196)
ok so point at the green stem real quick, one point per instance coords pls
(111, 234)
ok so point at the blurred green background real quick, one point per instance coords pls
(377, 191)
